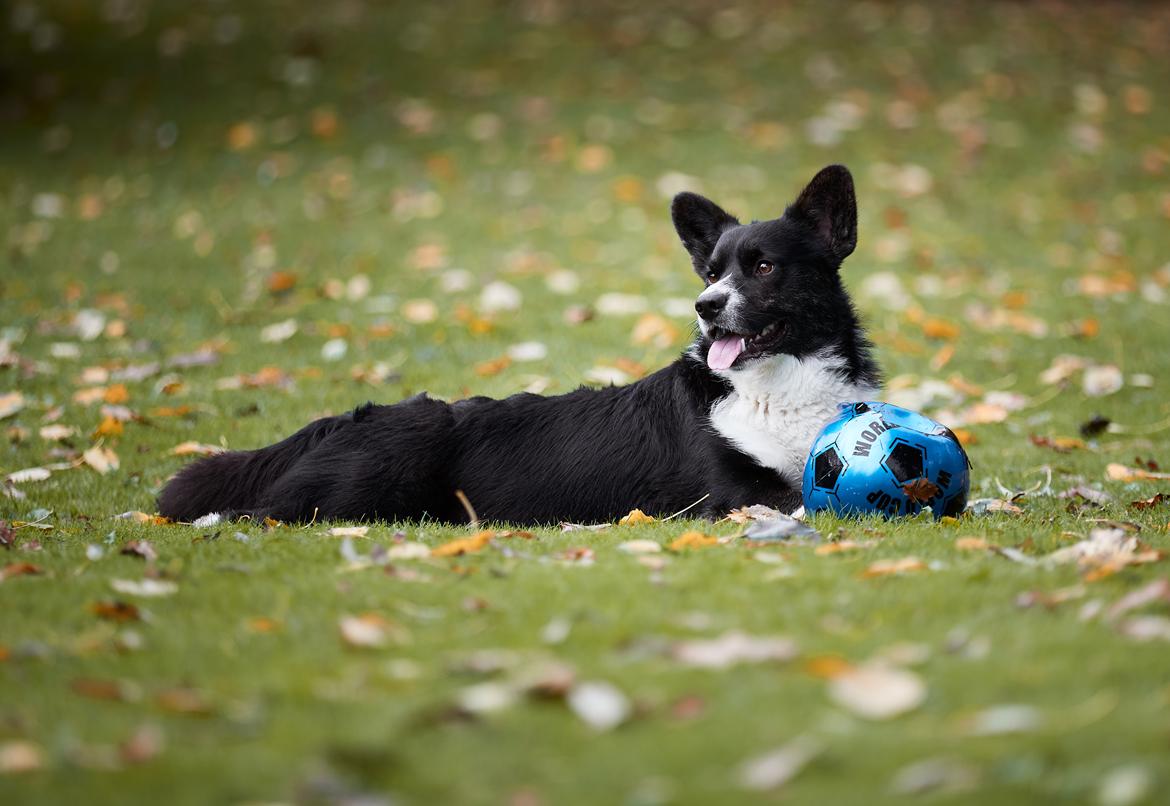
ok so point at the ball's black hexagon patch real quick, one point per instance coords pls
(906, 462)
(827, 469)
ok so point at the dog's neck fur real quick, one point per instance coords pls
(779, 404)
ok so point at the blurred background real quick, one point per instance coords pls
(395, 193)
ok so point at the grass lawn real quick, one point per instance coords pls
(220, 220)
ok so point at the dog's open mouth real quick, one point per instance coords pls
(727, 347)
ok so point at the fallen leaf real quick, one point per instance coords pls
(57, 432)
(10, 404)
(635, 518)
(367, 631)
(495, 366)
(139, 548)
(349, 531)
(1000, 720)
(1058, 444)
(1101, 380)
(903, 565)
(144, 744)
(467, 545)
(1105, 552)
(842, 546)
(1150, 503)
(732, 648)
(20, 569)
(972, 544)
(143, 517)
(19, 756)
(183, 700)
(826, 667)
(877, 691)
(779, 527)
(28, 474)
(640, 547)
(776, 767)
(692, 540)
(94, 689)
(935, 775)
(109, 427)
(921, 490)
(147, 588)
(408, 551)
(193, 448)
(1155, 591)
(101, 459)
(1146, 628)
(485, 698)
(114, 610)
(755, 512)
(600, 705)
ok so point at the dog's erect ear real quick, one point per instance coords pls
(699, 223)
(828, 205)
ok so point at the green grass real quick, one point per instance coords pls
(550, 132)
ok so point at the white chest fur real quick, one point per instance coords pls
(778, 405)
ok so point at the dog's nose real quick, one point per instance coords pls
(710, 306)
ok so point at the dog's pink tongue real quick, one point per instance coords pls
(724, 352)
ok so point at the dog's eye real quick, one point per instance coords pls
(764, 267)
(712, 276)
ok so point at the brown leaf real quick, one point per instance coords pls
(192, 448)
(1149, 503)
(972, 544)
(145, 743)
(921, 490)
(20, 569)
(495, 366)
(183, 700)
(99, 689)
(140, 548)
(115, 610)
(1058, 444)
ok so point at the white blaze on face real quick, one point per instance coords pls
(724, 351)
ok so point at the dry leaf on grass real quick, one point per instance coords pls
(20, 569)
(692, 540)
(348, 531)
(139, 548)
(367, 631)
(113, 610)
(877, 690)
(635, 518)
(1146, 628)
(1155, 591)
(972, 544)
(28, 474)
(19, 756)
(920, 491)
(776, 767)
(1119, 472)
(732, 648)
(10, 404)
(101, 459)
(600, 705)
(143, 517)
(466, 545)
(902, 565)
(192, 448)
(640, 547)
(1105, 552)
(147, 588)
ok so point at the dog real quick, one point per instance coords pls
(778, 346)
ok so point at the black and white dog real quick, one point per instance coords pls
(778, 347)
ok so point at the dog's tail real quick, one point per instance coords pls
(235, 482)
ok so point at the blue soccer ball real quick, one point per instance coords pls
(877, 457)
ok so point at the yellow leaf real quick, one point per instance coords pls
(192, 448)
(101, 459)
(466, 545)
(692, 540)
(653, 328)
(635, 517)
(826, 667)
(109, 427)
(115, 394)
(493, 367)
(972, 544)
(903, 565)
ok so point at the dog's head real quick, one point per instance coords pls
(772, 286)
